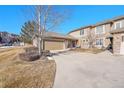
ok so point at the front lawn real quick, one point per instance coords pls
(15, 73)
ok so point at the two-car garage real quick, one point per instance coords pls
(55, 41)
(54, 45)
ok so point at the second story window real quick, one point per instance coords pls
(122, 23)
(122, 38)
(82, 32)
(117, 25)
(100, 29)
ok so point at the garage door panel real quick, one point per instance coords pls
(54, 45)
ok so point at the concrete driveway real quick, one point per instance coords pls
(89, 70)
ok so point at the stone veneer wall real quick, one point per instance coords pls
(116, 43)
(106, 42)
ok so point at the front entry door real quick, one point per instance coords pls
(122, 45)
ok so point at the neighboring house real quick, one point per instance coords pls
(56, 41)
(103, 35)
(5, 37)
(8, 39)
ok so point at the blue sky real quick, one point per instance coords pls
(13, 17)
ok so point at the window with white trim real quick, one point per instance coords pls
(82, 32)
(99, 41)
(122, 23)
(118, 25)
(122, 38)
(100, 29)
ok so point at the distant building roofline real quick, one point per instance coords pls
(57, 35)
(80, 28)
(100, 23)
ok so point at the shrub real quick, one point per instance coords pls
(32, 56)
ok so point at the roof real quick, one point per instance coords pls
(121, 30)
(109, 20)
(58, 35)
(100, 23)
(80, 28)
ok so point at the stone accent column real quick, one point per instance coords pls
(116, 43)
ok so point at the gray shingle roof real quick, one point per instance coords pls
(58, 35)
(100, 23)
(109, 20)
(80, 28)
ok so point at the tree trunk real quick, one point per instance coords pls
(39, 45)
(39, 33)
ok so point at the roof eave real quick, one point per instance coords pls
(79, 29)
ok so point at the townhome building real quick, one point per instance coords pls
(107, 34)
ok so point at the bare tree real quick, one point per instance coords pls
(47, 18)
(91, 38)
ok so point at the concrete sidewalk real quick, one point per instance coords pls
(80, 70)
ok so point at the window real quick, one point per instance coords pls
(83, 40)
(99, 41)
(99, 29)
(122, 23)
(82, 32)
(122, 38)
(117, 25)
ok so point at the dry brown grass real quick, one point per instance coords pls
(15, 73)
(90, 50)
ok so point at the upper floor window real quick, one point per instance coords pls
(122, 23)
(122, 38)
(82, 32)
(100, 29)
(118, 25)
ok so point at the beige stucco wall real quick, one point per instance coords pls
(75, 34)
